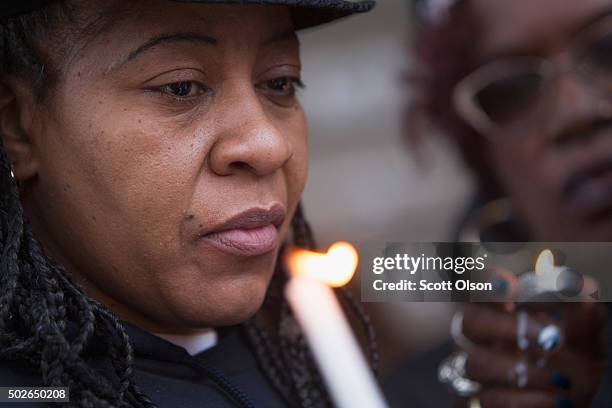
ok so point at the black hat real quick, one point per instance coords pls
(306, 13)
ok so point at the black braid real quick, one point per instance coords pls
(38, 298)
(45, 298)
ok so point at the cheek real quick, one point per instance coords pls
(514, 160)
(524, 172)
(122, 184)
(517, 173)
(296, 169)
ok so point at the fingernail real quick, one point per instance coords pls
(500, 286)
(561, 381)
(563, 402)
(549, 337)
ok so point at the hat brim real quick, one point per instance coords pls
(306, 13)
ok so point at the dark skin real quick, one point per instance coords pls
(532, 167)
(139, 147)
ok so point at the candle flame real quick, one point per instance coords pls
(545, 262)
(335, 268)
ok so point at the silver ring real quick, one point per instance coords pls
(456, 331)
(452, 373)
(522, 322)
(549, 337)
(517, 376)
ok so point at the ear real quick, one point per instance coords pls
(17, 104)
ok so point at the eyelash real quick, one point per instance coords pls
(293, 82)
(166, 89)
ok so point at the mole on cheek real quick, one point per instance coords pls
(188, 217)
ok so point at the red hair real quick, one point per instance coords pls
(445, 53)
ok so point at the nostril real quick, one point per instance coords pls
(242, 166)
(584, 131)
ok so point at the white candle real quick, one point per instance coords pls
(342, 364)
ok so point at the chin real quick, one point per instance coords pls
(226, 307)
(239, 312)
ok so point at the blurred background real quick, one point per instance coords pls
(367, 185)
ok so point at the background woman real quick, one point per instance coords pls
(524, 90)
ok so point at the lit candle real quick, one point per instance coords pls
(344, 369)
(548, 281)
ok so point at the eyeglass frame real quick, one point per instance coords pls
(465, 91)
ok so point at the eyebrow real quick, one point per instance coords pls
(289, 35)
(598, 17)
(180, 36)
(573, 32)
(193, 37)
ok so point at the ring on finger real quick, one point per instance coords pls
(456, 331)
(549, 337)
(517, 375)
(452, 373)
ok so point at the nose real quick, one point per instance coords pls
(249, 141)
(580, 109)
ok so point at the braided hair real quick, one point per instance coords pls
(39, 299)
(443, 49)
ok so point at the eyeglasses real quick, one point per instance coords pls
(513, 92)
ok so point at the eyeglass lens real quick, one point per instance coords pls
(506, 99)
(515, 92)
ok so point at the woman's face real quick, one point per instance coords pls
(169, 160)
(556, 170)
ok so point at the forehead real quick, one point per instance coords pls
(117, 29)
(539, 26)
(114, 23)
(230, 20)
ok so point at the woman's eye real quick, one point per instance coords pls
(183, 89)
(285, 86)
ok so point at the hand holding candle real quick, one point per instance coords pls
(534, 352)
(314, 304)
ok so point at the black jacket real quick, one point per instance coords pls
(171, 377)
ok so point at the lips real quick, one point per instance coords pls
(251, 233)
(589, 191)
